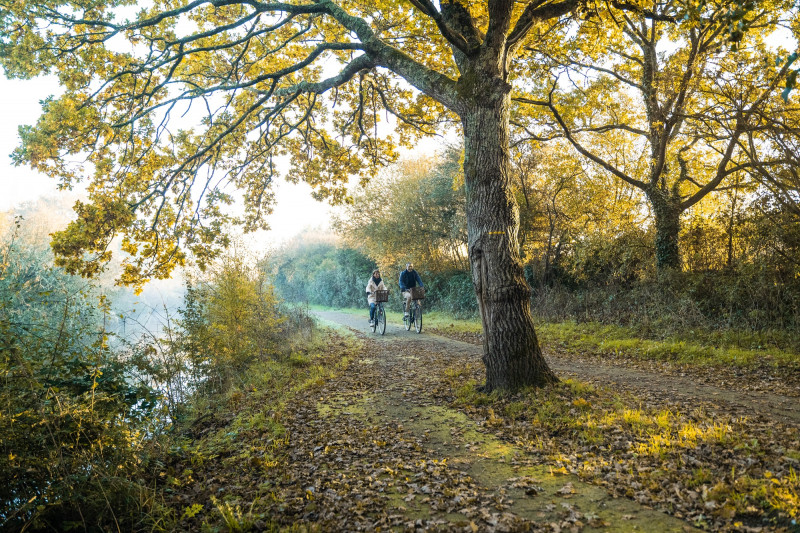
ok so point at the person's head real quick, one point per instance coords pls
(376, 273)
(409, 267)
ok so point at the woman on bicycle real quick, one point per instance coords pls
(375, 284)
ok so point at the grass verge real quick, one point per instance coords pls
(700, 348)
(219, 473)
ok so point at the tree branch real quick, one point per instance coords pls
(432, 83)
(583, 151)
(537, 10)
(455, 39)
(741, 123)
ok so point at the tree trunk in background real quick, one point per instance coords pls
(732, 220)
(512, 355)
(668, 223)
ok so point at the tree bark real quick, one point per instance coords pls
(481, 98)
(511, 355)
(668, 223)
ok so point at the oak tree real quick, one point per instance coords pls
(666, 98)
(310, 80)
(566, 207)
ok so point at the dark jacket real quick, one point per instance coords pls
(409, 280)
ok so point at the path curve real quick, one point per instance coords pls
(662, 386)
(382, 434)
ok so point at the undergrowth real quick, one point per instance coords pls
(237, 436)
(691, 347)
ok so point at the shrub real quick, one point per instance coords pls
(230, 318)
(71, 412)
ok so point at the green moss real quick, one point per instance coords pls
(793, 454)
(299, 360)
(468, 394)
(515, 409)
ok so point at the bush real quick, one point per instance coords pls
(71, 411)
(230, 319)
(453, 293)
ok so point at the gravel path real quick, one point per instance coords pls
(667, 386)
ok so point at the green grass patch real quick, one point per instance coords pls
(693, 348)
(443, 321)
(432, 319)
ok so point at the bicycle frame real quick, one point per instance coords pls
(414, 316)
(379, 323)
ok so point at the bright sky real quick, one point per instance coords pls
(20, 103)
(296, 210)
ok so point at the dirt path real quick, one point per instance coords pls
(380, 450)
(401, 440)
(665, 387)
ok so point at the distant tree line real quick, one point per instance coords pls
(317, 271)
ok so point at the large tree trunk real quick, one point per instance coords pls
(668, 225)
(512, 355)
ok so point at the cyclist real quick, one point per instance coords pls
(408, 280)
(375, 284)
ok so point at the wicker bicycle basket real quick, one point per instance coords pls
(381, 296)
(417, 293)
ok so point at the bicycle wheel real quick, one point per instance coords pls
(407, 317)
(418, 318)
(380, 320)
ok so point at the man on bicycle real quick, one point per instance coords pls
(408, 280)
(375, 284)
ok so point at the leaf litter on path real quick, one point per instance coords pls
(712, 463)
(401, 441)
(382, 450)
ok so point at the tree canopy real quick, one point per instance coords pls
(678, 109)
(414, 212)
(178, 109)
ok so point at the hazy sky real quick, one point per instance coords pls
(20, 103)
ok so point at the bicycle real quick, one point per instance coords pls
(414, 315)
(379, 324)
